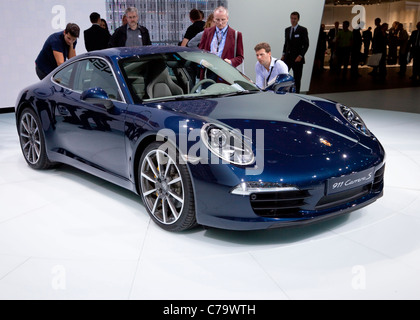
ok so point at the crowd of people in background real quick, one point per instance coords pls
(384, 46)
(214, 35)
(389, 45)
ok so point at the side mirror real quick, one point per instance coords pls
(282, 84)
(97, 96)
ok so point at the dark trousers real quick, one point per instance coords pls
(343, 56)
(365, 52)
(41, 75)
(382, 66)
(416, 66)
(403, 63)
(297, 68)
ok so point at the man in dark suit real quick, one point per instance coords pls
(96, 37)
(295, 46)
(223, 40)
(379, 45)
(332, 45)
(414, 43)
(367, 39)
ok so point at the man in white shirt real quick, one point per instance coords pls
(267, 68)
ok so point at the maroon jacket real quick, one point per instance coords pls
(229, 49)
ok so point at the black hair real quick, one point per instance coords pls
(73, 29)
(195, 15)
(94, 17)
(295, 13)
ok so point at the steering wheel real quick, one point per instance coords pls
(201, 82)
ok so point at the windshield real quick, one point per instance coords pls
(182, 75)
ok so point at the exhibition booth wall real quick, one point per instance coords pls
(24, 27)
(405, 12)
(26, 24)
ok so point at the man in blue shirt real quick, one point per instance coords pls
(58, 47)
(267, 68)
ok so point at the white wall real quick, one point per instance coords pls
(25, 25)
(265, 21)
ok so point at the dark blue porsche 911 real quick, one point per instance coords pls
(198, 141)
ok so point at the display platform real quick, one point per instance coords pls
(67, 235)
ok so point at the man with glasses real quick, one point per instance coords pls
(222, 40)
(132, 34)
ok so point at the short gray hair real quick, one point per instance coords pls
(132, 9)
(221, 9)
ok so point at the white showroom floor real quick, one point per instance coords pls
(67, 235)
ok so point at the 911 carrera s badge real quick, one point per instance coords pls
(350, 181)
(325, 142)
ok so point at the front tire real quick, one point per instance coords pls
(32, 141)
(166, 189)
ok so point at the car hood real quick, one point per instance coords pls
(291, 124)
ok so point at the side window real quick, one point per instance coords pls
(93, 73)
(63, 76)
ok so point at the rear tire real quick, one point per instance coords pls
(166, 189)
(32, 140)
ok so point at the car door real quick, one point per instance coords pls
(88, 130)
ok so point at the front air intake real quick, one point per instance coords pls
(285, 204)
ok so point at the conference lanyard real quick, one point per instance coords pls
(269, 75)
(219, 41)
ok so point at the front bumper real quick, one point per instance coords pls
(217, 207)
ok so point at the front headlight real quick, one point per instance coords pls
(354, 119)
(228, 144)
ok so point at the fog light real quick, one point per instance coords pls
(247, 188)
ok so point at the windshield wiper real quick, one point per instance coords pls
(238, 93)
(204, 96)
(174, 98)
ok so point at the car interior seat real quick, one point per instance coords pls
(162, 85)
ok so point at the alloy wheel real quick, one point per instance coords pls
(30, 138)
(162, 187)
